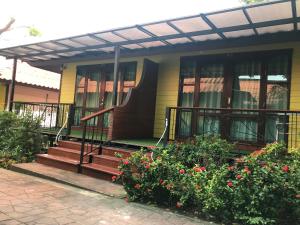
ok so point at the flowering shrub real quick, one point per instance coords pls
(259, 189)
(20, 138)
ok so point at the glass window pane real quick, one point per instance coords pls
(211, 86)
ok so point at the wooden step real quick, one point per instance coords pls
(67, 153)
(58, 162)
(74, 145)
(110, 151)
(106, 160)
(99, 171)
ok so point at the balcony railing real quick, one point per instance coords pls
(247, 126)
(53, 116)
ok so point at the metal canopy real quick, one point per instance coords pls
(251, 20)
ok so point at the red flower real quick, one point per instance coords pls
(247, 170)
(203, 168)
(147, 166)
(197, 169)
(230, 168)
(182, 171)
(229, 184)
(285, 169)
(161, 181)
(178, 205)
(113, 178)
(125, 162)
(137, 186)
(238, 176)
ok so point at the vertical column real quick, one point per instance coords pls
(116, 70)
(12, 87)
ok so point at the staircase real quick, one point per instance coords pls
(66, 156)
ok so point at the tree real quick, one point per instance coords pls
(31, 30)
(7, 26)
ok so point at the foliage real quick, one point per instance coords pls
(259, 189)
(20, 138)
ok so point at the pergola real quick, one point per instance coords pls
(269, 21)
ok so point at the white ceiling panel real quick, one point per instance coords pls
(160, 29)
(233, 18)
(191, 24)
(178, 40)
(86, 40)
(109, 36)
(132, 34)
(275, 29)
(70, 53)
(153, 44)
(270, 12)
(298, 7)
(239, 33)
(39, 48)
(132, 46)
(71, 43)
(206, 37)
(52, 46)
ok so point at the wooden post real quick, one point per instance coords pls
(116, 70)
(12, 86)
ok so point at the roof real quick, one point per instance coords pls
(27, 74)
(251, 20)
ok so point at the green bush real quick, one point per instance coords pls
(260, 189)
(20, 138)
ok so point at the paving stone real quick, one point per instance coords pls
(28, 200)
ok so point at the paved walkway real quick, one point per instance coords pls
(29, 200)
(73, 179)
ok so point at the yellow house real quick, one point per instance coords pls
(233, 73)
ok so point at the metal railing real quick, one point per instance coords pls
(95, 128)
(52, 115)
(251, 126)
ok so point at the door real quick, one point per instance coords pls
(94, 88)
(244, 81)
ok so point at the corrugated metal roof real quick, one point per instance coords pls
(251, 20)
(27, 74)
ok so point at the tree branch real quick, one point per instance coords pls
(7, 26)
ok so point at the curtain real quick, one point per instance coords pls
(187, 76)
(277, 97)
(245, 95)
(210, 93)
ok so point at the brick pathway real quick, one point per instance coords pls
(29, 200)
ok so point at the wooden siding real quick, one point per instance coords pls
(135, 117)
(2, 96)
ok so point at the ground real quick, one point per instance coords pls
(29, 200)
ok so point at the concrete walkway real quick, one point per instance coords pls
(70, 178)
(34, 201)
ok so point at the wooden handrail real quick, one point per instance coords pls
(86, 118)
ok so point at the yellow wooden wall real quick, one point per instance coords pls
(168, 77)
(2, 96)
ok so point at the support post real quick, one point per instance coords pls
(12, 87)
(116, 70)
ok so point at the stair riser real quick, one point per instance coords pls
(70, 155)
(111, 152)
(106, 162)
(96, 174)
(74, 146)
(57, 164)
